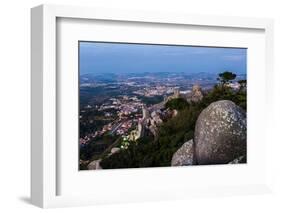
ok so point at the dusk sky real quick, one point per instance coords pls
(98, 57)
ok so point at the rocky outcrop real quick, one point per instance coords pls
(184, 156)
(196, 94)
(220, 133)
(94, 165)
(174, 113)
(115, 150)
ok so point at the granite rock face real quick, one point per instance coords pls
(220, 133)
(184, 156)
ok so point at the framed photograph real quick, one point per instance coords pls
(129, 106)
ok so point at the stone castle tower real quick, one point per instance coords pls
(196, 94)
(176, 93)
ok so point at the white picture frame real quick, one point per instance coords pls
(44, 155)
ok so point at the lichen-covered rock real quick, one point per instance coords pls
(184, 156)
(241, 159)
(220, 133)
(94, 165)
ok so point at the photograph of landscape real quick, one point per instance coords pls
(152, 105)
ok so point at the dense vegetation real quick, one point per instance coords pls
(150, 100)
(149, 152)
(177, 103)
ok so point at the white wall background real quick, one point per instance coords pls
(15, 104)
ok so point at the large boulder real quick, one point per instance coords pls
(220, 133)
(184, 156)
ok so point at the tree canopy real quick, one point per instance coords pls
(226, 77)
(177, 103)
